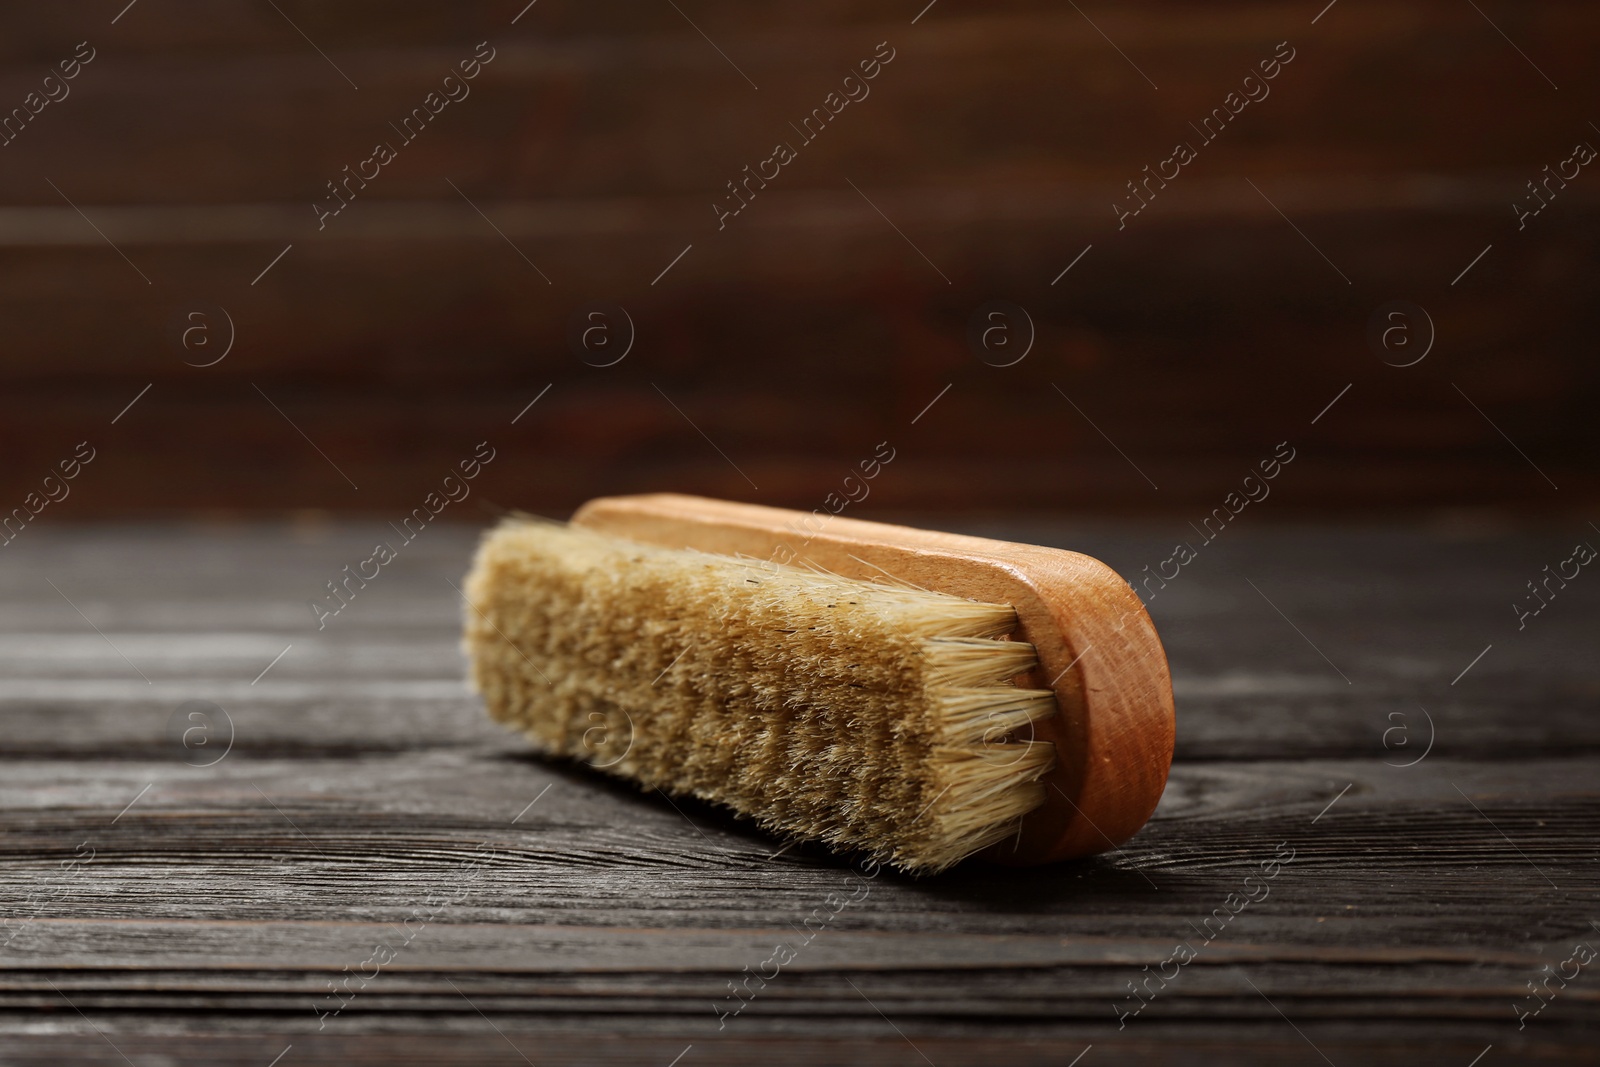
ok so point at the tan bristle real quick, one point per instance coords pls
(871, 716)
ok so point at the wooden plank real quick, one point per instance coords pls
(547, 469)
(603, 110)
(864, 369)
(208, 893)
(386, 674)
(241, 1046)
(424, 813)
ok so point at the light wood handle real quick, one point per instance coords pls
(1097, 648)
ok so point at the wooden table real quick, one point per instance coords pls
(1360, 696)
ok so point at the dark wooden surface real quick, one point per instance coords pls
(362, 780)
(809, 329)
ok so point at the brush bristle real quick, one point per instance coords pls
(871, 716)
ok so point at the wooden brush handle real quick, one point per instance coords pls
(1097, 648)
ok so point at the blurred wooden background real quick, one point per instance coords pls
(809, 329)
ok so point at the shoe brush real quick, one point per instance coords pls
(912, 696)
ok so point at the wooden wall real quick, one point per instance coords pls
(808, 330)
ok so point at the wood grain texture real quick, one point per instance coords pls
(601, 925)
(996, 142)
(1112, 730)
